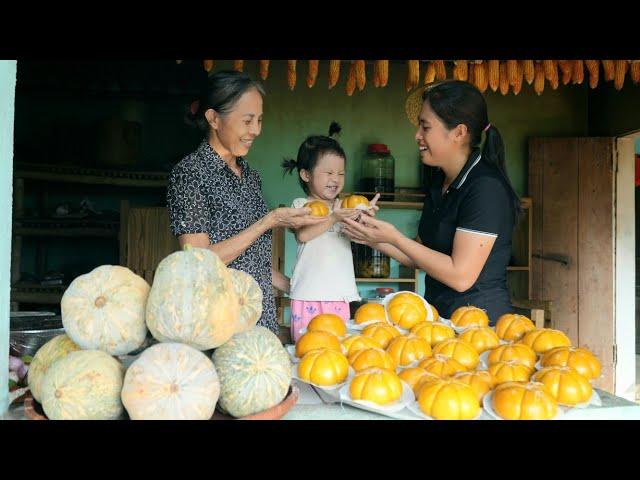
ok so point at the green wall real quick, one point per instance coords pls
(371, 116)
(7, 91)
(613, 112)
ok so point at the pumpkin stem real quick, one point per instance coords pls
(100, 302)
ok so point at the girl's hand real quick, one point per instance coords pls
(370, 231)
(374, 208)
(340, 214)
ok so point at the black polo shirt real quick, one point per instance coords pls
(477, 201)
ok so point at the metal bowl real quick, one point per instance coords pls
(31, 330)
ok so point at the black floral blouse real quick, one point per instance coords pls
(205, 196)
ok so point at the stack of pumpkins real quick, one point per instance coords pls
(444, 369)
(195, 304)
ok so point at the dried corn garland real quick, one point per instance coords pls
(593, 67)
(461, 70)
(538, 81)
(620, 72)
(504, 79)
(264, 69)
(238, 65)
(566, 69)
(413, 74)
(313, 73)
(334, 72)
(578, 71)
(361, 76)
(608, 67)
(493, 72)
(383, 72)
(441, 70)
(351, 80)
(549, 66)
(528, 70)
(554, 80)
(635, 71)
(430, 73)
(208, 65)
(291, 74)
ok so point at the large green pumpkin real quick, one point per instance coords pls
(192, 300)
(84, 385)
(249, 297)
(52, 351)
(171, 381)
(254, 370)
(105, 310)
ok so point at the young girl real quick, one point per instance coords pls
(323, 279)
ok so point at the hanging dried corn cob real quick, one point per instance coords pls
(208, 65)
(609, 70)
(361, 76)
(413, 74)
(291, 74)
(504, 79)
(620, 72)
(383, 72)
(334, 72)
(566, 69)
(538, 81)
(593, 67)
(471, 74)
(493, 72)
(482, 76)
(548, 67)
(529, 71)
(441, 70)
(635, 71)
(512, 71)
(430, 73)
(578, 71)
(313, 73)
(238, 65)
(519, 79)
(178, 62)
(264, 69)
(351, 79)
(461, 70)
(554, 79)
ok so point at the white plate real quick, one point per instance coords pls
(594, 401)
(487, 404)
(389, 297)
(405, 399)
(484, 361)
(414, 408)
(327, 388)
(358, 327)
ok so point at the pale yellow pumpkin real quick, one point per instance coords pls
(105, 310)
(84, 385)
(171, 381)
(249, 296)
(52, 351)
(193, 300)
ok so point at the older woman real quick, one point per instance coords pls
(214, 197)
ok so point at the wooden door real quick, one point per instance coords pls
(571, 182)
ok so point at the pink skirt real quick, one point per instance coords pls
(303, 311)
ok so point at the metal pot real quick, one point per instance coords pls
(31, 330)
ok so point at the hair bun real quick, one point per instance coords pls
(334, 128)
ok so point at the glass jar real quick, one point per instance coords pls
(378, 171)
(378, 295)
(371, 263)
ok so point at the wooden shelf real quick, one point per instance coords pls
(511, 268)
(66, 227)
(417, 205)
(36, 293)
(90, 176)
(386, 280)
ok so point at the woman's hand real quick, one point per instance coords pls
(370, 231)
(294, 217)
(374, 208)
